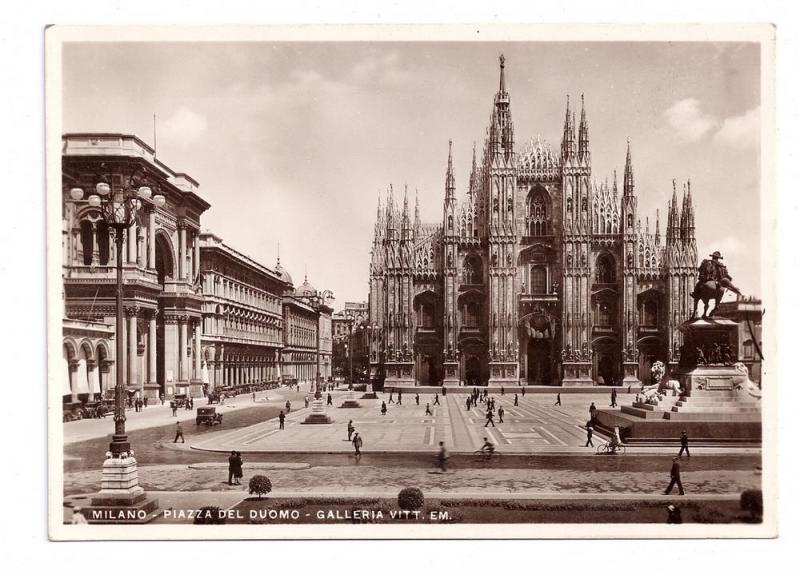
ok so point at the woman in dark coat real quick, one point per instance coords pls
(237, 468)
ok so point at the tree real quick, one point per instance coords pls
(260, 486)
(410, 499)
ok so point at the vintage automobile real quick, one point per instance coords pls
(208, 415)
(215, 396)
(180, 400)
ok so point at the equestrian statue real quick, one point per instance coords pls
(713, 280)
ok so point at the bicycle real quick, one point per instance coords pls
(485, 455)
(611, 449)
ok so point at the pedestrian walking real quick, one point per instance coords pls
(350, 429)
(523, 390)
(589, 432)
(178, 432)
(441, 457)
(558, 400)
(174, 406)
(428, 409)
(416, 398)
(145, 402)
(254, 396)
(500, 413)
(399, 399)
(493, 404)
(161, 396)
(383, 408)
(330, 400)
(674, 514)
(675, 477)
(231, 467)
(237, 469)
(469, 403)
(684, 445)
(357, 444)
(391, 396)
(281, 420)
(613, 398)
(592, 410)
(516, 399)
(436, 399)
(485, 394)
(502, 390)
(489, 418)
(305, 400)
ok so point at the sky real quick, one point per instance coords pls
(293, 142)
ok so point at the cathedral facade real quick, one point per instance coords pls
(537, 276)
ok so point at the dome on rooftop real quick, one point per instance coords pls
(283, 273)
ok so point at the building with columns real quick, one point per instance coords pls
(242, 316)
(536, 275)
(747, 313)
(161, 271)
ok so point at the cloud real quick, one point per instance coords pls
(184, 126)
(688, 120)
(727, 246)
(742, 131)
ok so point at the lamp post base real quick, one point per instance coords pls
(121, 499)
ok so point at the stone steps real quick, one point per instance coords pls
(719, 409)
(716, 414)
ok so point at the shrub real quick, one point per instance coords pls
(753, 502)
(209, 515)
(260, 486)
(410, 499)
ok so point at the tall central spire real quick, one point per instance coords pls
(502, 74)
(583, 135)
(501, 132)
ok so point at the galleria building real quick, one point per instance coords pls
(198, 314)
(537, 276)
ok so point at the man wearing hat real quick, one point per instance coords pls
(715, 270)
(675, 477)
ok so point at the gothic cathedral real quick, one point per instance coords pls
(538, 276)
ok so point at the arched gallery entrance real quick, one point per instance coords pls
(165, 268)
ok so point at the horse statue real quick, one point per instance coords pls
(712, 282)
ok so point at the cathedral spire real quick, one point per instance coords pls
(502, 90)
(658, 229)
(450, 179)
(473, 175)
(416, 209)
(583, 134)
(684, 212)
(627, 182)
(689, 213)
(568, 139)
(615, 185)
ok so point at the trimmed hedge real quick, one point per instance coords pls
(260, 485)
(410, 499)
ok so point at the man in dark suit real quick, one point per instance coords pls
(281, 420)
(231, 467)
(684, 445)
(357, 444)
(675, 477)
(592, 410)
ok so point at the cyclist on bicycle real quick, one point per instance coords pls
(488, 448)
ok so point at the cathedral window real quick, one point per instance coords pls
(538, 279)
(605, 272)
(103, 242)
(569, 205)
(539, 212)
(605, 314)
(87, 241)
(449, 222)
(630, 220)
(747, 346)
(473, 270)
(471, 313)
(650, 314)
(426, 316)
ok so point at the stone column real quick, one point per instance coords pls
(181, 250)
(132, 356)
(95, 246)
(182, 344)
(73, 381)
(196, 256)
(152, 336)
(198, 361)
(140, 248)
(151, 239)
(132, 244)
(94, 383)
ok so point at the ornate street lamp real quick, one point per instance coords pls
(119, 208)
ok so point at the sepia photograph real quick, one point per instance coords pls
(443, 282)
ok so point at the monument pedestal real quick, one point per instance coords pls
(716, 402)
(121, 499)
(317, 415)
(350, 401)
(151, 392)
(631, 379)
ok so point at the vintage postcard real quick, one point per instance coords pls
(461, 281)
